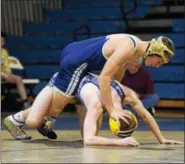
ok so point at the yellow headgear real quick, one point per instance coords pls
(119, 130)
(157, 47)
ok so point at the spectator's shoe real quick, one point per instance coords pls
(152, 111)
(46, 130)
(16, 131)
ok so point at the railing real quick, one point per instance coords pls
(124, 13)
(168, 3)
(83, 26)
(15, 12)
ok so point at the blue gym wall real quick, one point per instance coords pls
(40, 36)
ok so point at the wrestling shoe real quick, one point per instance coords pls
(46, 129)
(16, 131)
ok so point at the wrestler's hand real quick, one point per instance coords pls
(120, 114)
(171, 142)
(128, 142)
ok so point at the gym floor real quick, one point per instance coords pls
(68, 148)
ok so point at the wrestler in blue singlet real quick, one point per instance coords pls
(77, 59)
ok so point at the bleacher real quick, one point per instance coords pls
(39, 48)
(61, 28)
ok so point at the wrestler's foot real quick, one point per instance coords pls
(16, 131)
(46, 129)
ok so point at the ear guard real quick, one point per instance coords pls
(158, 48)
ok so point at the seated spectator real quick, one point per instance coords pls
(139, 79)
(8, 76)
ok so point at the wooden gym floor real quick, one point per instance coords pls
(68, 148)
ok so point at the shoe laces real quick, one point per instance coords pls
(21, 130)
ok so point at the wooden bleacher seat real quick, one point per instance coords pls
(171, 104)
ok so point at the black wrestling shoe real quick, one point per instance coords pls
(46, 130)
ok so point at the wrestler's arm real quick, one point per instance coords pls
(120, 74)
(90, 138)
(120, 56)
(147, 117)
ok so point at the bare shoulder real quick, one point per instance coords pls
(116, 40)
(122, 40)
(123, 37)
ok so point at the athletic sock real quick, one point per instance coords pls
(51, 118)
(18, 118)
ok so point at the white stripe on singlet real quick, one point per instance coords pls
(75, 78)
